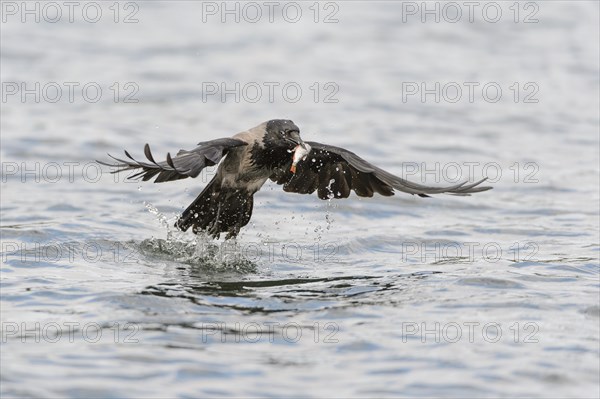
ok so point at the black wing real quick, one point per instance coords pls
(333, 172)
(184, 164)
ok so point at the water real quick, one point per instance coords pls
(485, 296)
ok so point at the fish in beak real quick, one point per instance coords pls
(300, 153)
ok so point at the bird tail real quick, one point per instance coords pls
(218, 210)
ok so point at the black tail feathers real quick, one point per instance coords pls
(218, 210)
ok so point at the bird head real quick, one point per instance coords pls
(283, 133)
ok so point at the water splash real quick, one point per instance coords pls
(194, 249)
(161, 217)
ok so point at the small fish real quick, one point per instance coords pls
(300, 153)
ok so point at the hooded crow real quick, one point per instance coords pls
(272, 150)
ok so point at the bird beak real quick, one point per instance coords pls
(295, 136)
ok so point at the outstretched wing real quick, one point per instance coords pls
(333, 172)
(184, 164)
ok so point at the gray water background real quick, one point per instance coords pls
(102, 298)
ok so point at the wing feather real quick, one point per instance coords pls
(333, 172)
(187, 163)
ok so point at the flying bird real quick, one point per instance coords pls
(272, 150)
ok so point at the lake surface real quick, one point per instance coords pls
(493, 295)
